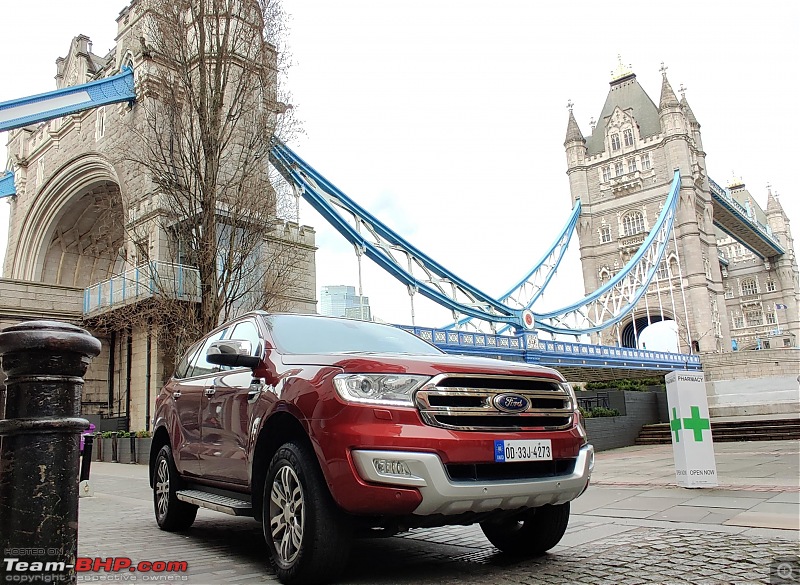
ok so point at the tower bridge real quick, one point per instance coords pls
(659, 239)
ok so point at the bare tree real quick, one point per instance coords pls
(210, 108)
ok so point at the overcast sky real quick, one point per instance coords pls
(446, 119)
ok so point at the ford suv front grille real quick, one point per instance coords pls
(471, 402)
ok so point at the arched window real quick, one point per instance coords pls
(749, 287)
(633, 223)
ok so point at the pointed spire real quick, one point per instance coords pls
(668, 99)
(773, 201)
(686, 108)
(573, 131)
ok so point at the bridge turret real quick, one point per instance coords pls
(785, 267)
(575, 145)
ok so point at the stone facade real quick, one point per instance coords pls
(720, 295)
(79, 200)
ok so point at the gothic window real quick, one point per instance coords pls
(631, 165)
(615, 142)
(728, 292)
(738, 322)
(633, 223)
(749, 287)
(605, 276)
(770, 286)
(646, 161)
(618, 169)
(663, 271)
(605, 234)
(627, 136)
(100, 123)
(771, 318)
(606, 174)
(755, 317)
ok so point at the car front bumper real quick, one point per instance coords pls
(442, 495)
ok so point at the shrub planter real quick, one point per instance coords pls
(143, 450)
(612, 432)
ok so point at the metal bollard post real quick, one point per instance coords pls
(114, 448)
(45, 362)
(133, 449)
(86, 461)
(85, 489)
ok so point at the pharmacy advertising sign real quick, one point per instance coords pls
(690, 427)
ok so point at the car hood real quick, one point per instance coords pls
(364, 362)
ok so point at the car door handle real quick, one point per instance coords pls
(210, 391)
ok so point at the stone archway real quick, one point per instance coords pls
(75, 226)
(86, 240)
(632, 331)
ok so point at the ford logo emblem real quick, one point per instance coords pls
(511, 403)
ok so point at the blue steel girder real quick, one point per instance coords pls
(610, 303)
(390, 251)
(525, 293)
(740, 224)
(68, 100)
(7, 187)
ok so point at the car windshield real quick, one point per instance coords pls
(307, 334)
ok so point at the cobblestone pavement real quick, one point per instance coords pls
(118, 521)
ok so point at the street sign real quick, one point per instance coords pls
(690, 427)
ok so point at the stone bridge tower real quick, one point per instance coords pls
(622, 173)
(79, 201)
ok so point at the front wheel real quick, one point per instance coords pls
(531, 533)
(171, 513)
(306, 533)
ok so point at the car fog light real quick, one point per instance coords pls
(391, 467)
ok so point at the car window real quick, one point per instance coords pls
(301, 334)
(200, 366)
(183, 365)
(247, 330)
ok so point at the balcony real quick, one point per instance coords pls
(143, 282)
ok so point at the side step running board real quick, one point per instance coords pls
(216, 502)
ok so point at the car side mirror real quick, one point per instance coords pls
(233, 353)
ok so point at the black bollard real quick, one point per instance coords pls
(45, 362)
(114, 448)
(86, 460)
(133, 448)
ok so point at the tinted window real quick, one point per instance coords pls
(320, 335)
(183, 366)
(200, 367)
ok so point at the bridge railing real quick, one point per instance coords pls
(528, 347)
(142, 282)
(746, 214)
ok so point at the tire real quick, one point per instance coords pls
(307, 535)
(171, 514)
(531, 533)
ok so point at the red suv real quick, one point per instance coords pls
(324, 429)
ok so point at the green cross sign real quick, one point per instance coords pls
(675, 425)
(696, 423)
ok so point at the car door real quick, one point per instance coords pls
(189, 396)
(225, 417)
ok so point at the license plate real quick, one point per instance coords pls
(524, 450)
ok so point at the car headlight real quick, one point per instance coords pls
(573, 399)
(388, 389)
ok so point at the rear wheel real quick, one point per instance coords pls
(306, 533)
(531, 533)
(171, 513)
